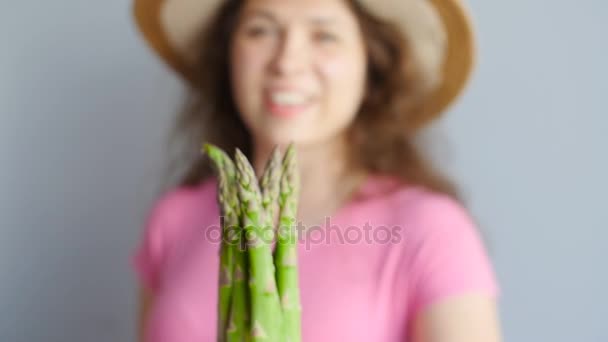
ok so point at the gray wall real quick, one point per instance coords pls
(84, 108)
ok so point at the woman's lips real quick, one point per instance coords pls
(285, 110)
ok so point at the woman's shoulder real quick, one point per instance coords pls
(184, 195)
(419, 209)
(170, 218)
(181, 205)
(407, 196)
(441, 246)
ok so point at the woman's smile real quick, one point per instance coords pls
(287, 103)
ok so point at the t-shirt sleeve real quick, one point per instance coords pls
(449, 256)
(151, 249)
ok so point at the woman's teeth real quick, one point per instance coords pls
(288, 98)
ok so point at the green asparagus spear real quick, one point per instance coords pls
(238, 325)
(228, 203)
(232, 301)
(286, 252)
(270, 183)
(265, 304)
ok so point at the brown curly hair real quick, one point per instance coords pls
(382, 136)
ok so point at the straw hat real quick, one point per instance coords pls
(440, 32)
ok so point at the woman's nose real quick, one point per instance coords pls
(292, 54)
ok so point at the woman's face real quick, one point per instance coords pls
(298, 69)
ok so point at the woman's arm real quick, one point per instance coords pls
(145, 302)
(464, 318)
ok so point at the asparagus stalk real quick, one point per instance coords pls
(286, 253)
(265, 305)
(232, 301)
(238, 326)
(228, 204)
(270, 183)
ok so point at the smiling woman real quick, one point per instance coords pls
(351, 84)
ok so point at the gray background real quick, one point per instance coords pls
(84, 107)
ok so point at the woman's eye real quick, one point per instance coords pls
(257, 31)
(325, 37)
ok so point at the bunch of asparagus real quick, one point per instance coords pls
(259, 297)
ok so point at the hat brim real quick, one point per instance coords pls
(456, 70)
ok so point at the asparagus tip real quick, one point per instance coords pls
(211, 150)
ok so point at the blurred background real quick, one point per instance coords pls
(84, 110)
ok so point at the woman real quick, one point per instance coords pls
(351, 83)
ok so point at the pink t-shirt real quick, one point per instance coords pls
(382, 258)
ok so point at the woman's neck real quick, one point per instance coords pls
(326, 179)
